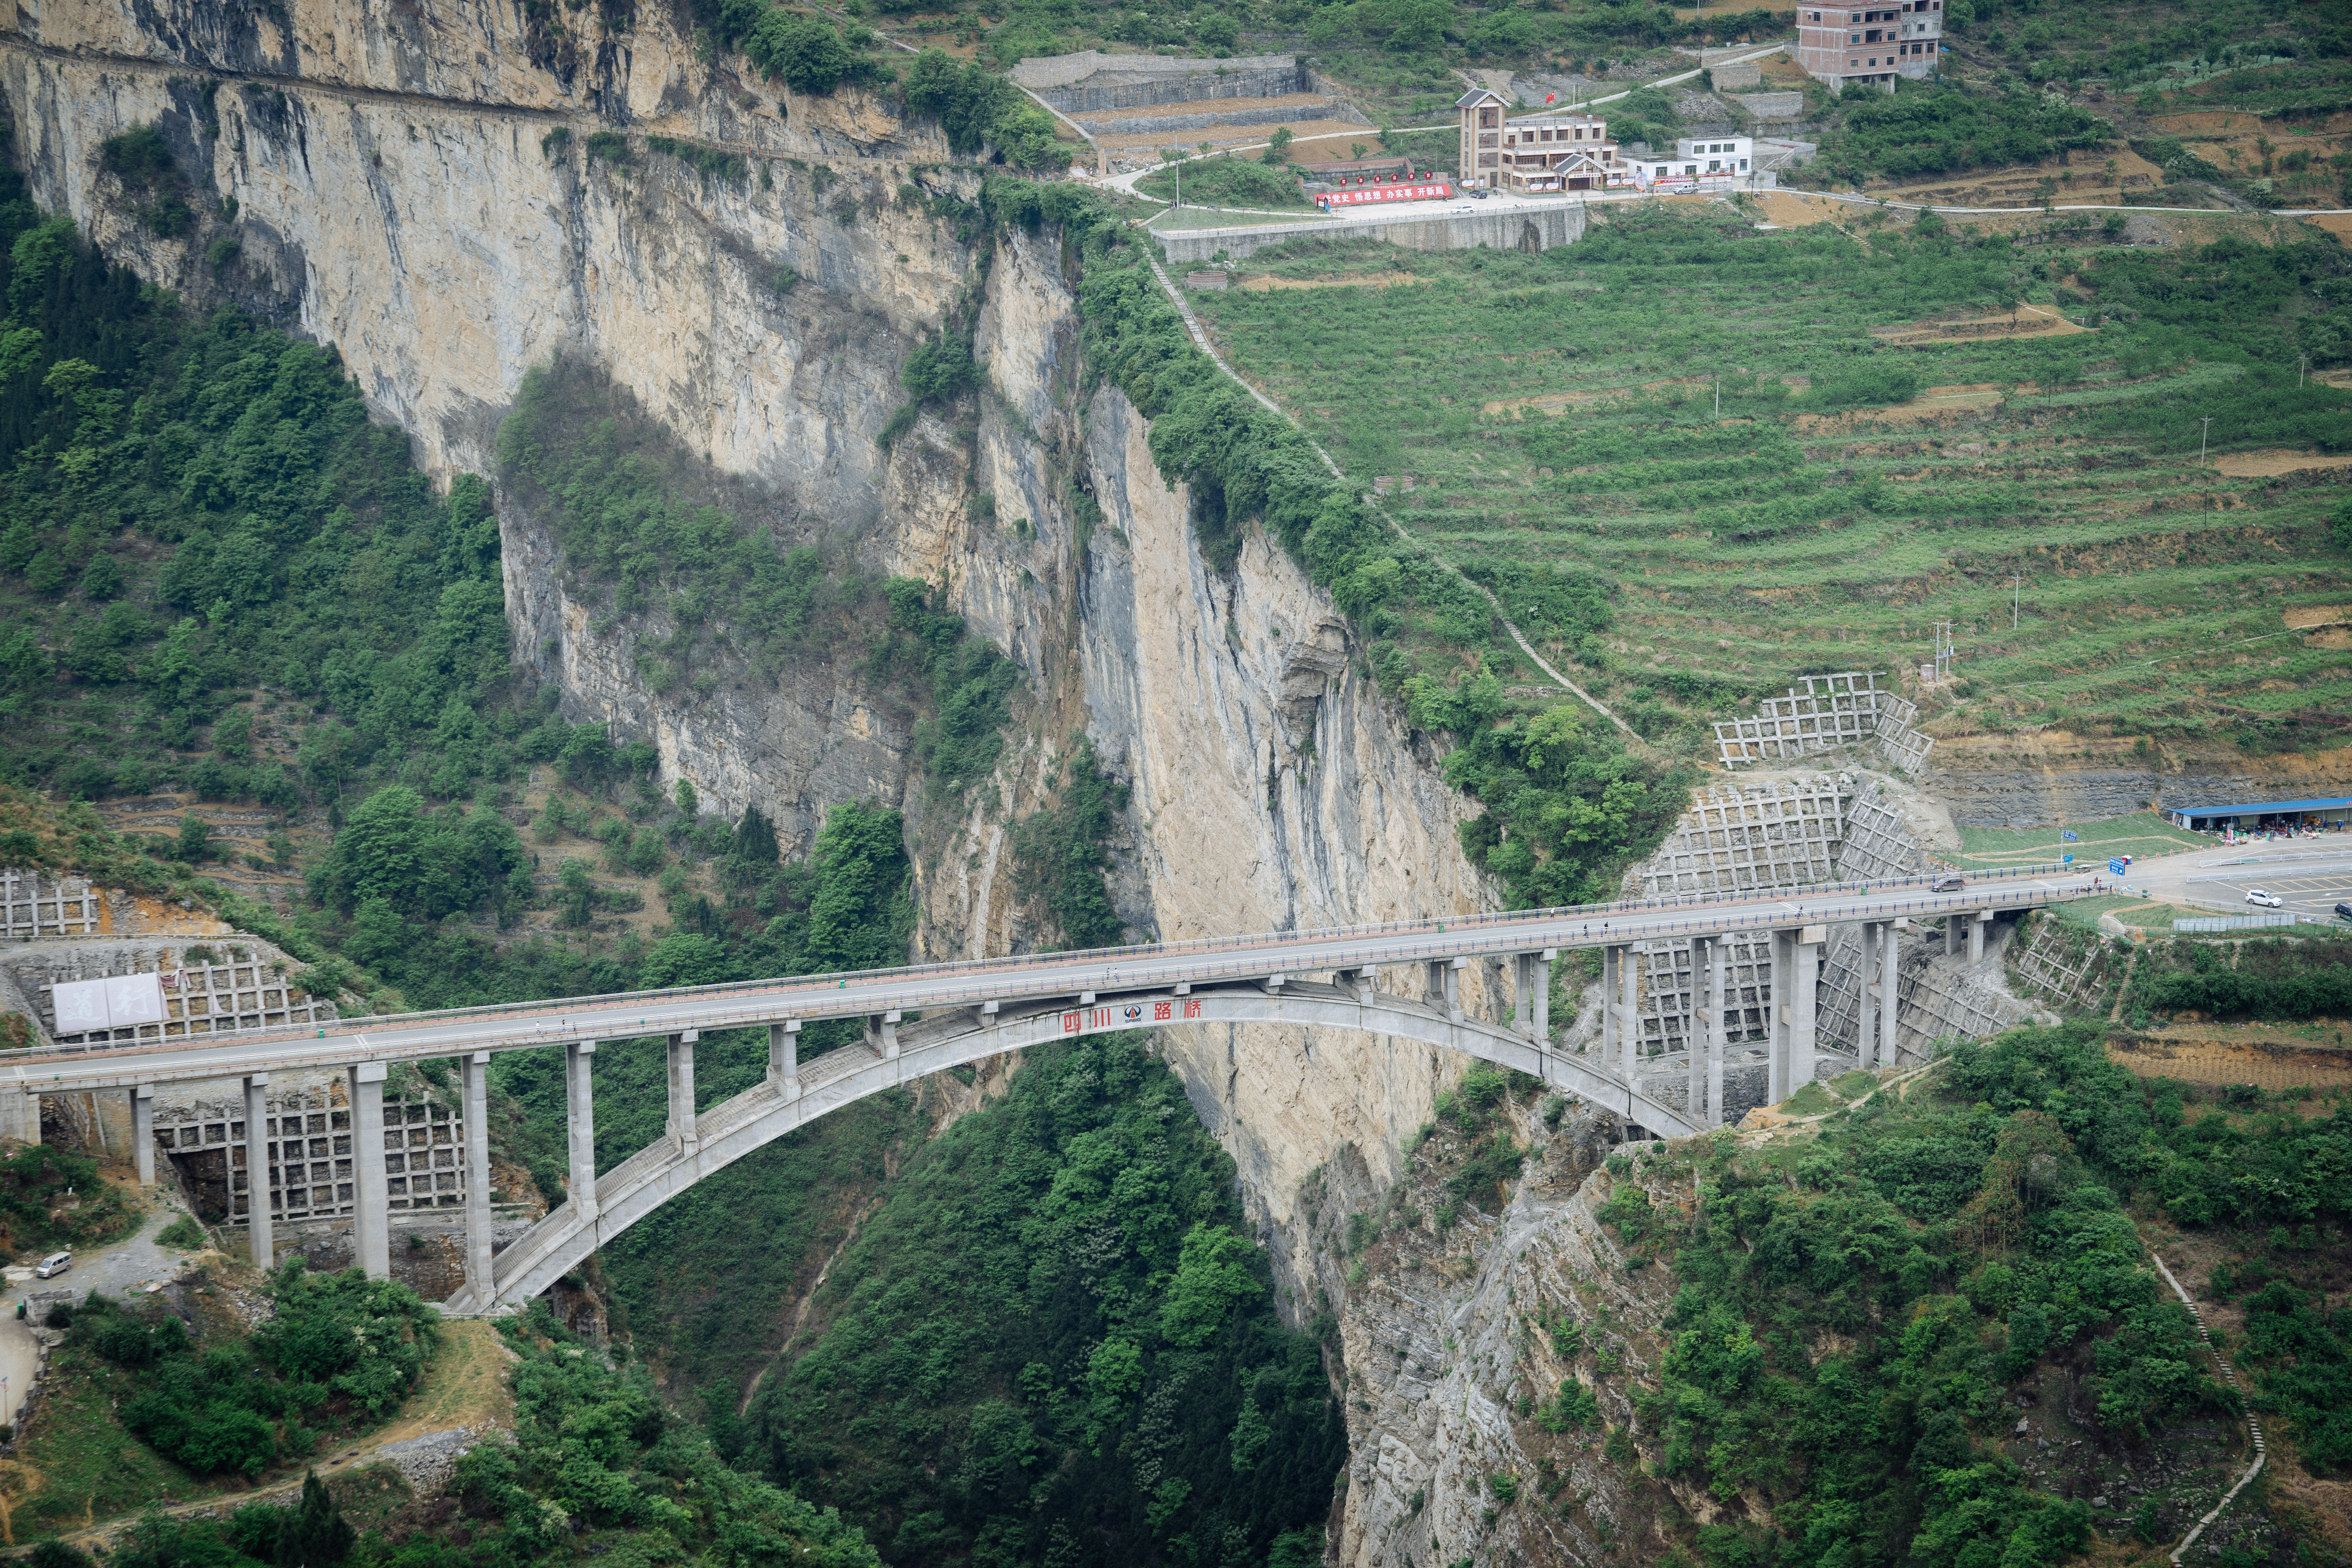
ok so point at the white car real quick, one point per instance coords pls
(2267, 901)
(54, 1264)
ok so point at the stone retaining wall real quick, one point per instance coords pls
(1152, 124)
(1540, 229)
(1064, 71)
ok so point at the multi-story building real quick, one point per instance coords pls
(1870, 42)
(1536, 151)
(1482, 134)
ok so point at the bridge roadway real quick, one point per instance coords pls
(978, 1008)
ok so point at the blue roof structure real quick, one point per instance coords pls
(2265, 807)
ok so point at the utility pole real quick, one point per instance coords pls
(1944, 650)
(2302, 368)
(1718, 397)
(2201, 437)
(2016, 597)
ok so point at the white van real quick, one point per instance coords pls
(54, 1264)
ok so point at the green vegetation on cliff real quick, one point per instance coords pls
(597, 1464)
(1052, 1343)
(1861, 1316)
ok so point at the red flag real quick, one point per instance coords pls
(1549, 97)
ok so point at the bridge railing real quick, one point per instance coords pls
(1453, 926)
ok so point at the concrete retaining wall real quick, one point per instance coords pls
(1540, 229)
(1193, 86)
(1771, 105)
(1064, 71)
(1152, 124)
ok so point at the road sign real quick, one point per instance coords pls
(2065, 859)
(2115, 865)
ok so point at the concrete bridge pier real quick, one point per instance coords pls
(1977, 922)
(20, 1114)
(475, 1105)
(1695, 1045)
(1875, 1033)
(784, 1055)
(257, 1169)
(1544, 961)
(1718, 980)
(142, 1131)
(1778, 1017)
(1620, 1026)
(370, 1195)
(1888, 967)
(1452, 982)
(1804, 1019)
(681, 1090)
(580, 1117)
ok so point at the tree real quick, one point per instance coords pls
(1278, 147)
(1216, 1273)
(683, 958)
(860, 917)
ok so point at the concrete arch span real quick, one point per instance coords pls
(792, 1097)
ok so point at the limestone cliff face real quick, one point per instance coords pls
(397, 194)
(1452, 1360)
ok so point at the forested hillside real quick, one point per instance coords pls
(1931, 1333)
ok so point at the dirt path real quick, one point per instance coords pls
(465, 1390)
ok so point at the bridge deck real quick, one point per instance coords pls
(1010, 981)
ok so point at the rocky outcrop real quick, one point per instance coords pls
(445, 225)
(2052, 776)
(1462, 1330)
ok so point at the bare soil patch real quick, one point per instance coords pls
(1233, 135)
(1265, 283)
(2317, 615)
(2265, 1056)
(2024, 321)
(1200, 106)
(1791, 210)
(2264, 464)
(2086, 180)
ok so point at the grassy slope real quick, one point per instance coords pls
(1782, 542)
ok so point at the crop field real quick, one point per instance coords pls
(1783, 451)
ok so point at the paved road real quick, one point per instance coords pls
(2313, 875)
(1158, 968)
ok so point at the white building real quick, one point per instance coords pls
(1698, 164)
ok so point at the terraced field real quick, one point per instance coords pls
(1797, 450)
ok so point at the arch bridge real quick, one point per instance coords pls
(1403, 979)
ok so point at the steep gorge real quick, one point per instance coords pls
(397, 185)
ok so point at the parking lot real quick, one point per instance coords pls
(2308, 890)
